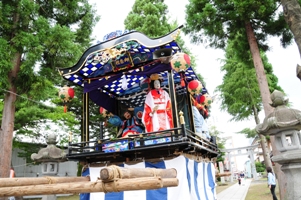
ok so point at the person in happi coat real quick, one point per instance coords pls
(157, 113)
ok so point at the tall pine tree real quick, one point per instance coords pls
(148, 17)
(220, 20)
(239, 92)
(37, 37)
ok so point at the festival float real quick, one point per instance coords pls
(148, 89)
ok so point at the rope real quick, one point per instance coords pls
(104, 187)
(50, 180)
(117, 173)
(154, 172)
(27, 98)
(23, 164)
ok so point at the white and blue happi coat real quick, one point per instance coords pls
(196, 182)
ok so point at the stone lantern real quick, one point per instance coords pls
(50, 157)
(285, 124)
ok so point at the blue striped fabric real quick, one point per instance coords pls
(159, 194)
(85, 196)
(114, 195)
(196, 182)
(196, 179)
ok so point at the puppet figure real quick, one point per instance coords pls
(157, 113)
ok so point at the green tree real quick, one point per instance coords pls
(250, 133)
(37, 37)
(219, 21)
(220, 141)
(148, 17)
(260, 167)
(239, 92)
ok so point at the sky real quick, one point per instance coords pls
(284, 61)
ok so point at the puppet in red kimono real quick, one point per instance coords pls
(157, 113)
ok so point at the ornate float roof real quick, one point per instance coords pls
(120, 66)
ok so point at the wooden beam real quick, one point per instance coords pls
(13, 182)
(223, 174)
(147, 183)
(111, 172)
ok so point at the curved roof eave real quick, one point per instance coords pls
(136, 36)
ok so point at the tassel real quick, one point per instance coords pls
(124, 83)
(182, 80)
(65, 108)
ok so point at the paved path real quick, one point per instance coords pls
(235, 192)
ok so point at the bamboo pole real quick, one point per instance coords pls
(112, 172)
(12, 182)
(147, 183)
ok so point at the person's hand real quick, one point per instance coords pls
(269, 186)
(155, 108)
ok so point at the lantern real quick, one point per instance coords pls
(66, 94)
(180, 62)
(195, 87)
(207, 100)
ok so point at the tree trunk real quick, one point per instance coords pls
(292, 16)
(263, 143)
(8, 116)
(265, 96)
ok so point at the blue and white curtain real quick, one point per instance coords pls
(196, 182)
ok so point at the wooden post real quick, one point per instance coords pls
(112, 172)
(12, 182)
(147, 183)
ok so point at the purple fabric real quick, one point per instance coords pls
(105, 100)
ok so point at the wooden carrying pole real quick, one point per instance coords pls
(223, 174)
(146, 183)
(112, 172)
(12, 182)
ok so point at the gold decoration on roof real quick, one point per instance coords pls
(113, 52)
(174, 36)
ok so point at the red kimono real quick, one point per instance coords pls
(161, 119)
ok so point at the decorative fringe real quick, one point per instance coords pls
(182, 80)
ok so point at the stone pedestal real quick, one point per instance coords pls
(291, 167)
(50, 158)
(293, 177)
(285, 124)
